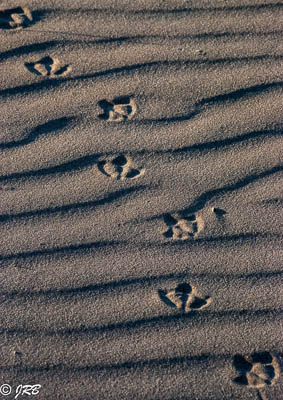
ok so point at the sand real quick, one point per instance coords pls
(141, 199)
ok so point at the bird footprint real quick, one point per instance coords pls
(119, 109)
(257, 370)
(120, 167)
(48, 66)
(15, 18)
(184, 227)
(184, 297)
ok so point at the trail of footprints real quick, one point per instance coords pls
(258, 370)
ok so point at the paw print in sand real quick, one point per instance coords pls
(258, 371)
(120, 167)
(119, 109)
(48, 66)
(184, 297)
(184, 227)
(15, 18)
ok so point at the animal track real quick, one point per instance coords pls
(48, 66)
(120, 167)
(119, 109)
(184, 297)
(15, 18)
(183, 228)
(258, 370)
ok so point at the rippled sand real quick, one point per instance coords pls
(141, 199)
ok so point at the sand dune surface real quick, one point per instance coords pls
(141, 199)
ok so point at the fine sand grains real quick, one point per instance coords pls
(140, 199)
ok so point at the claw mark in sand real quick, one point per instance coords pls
(219, 212)
(15, 18)
(17, 355)
(184, 297)
(48, 66)
(119, 109)
(220, 215)
(120, 167)
(256, 371)
(184, 227)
